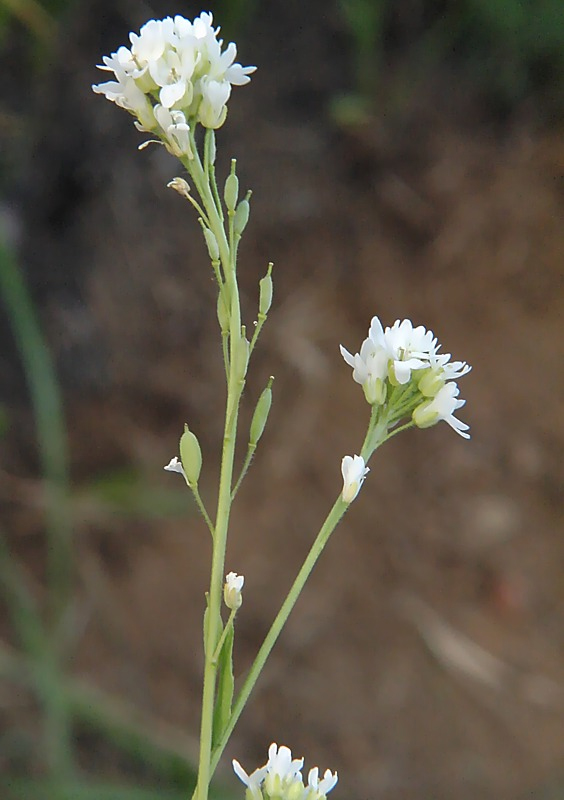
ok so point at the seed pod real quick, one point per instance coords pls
(231, 191)
(211, 242)
(260, 417)
(191, 456)
(241, 216)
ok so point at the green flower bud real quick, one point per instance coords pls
(231, 191)
(430, 383)
(191, 456)
(424, 415)
(211, 242)
(265, 292)
(375, 391)
(260, 416)
(241, 216)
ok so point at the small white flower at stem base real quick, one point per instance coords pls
(232, 590)
(354, 472)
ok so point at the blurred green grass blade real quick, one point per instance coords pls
(33, 15)
(22, 609)
(50, 424)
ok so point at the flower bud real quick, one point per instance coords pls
(424, 415)
(430, 383)
(241, 216)
(211, 242)
(232, 591)
(260, 416)
(265, 292)
(231, 190)
(191, 456)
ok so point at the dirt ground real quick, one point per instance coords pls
(426, 657)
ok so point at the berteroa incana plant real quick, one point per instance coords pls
(176, 79)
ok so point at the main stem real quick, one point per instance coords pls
(234, 388)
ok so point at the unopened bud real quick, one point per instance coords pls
(241, 216)
(260, 416)
(430, 383)
(231, 190)
(191, 456)
(265, 292)
(232, 591)
(424, 416)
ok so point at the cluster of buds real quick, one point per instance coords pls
(401, 370)
(281, 778)
(174, 76)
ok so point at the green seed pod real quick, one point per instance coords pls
(260, 416)
(191, 456)
(222, 313)
(211, 145)
(241, 352)
(231, 191)
(241, 216)
(211, 242)
(266, 287)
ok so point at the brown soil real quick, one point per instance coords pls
(426, 657)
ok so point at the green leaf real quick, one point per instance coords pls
(225, 687)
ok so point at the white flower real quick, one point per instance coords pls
(354, 472)
(281, 778)
(442, 407)
(176, 130)
(232, 590)
(409, 348)
(253, 781)
(213, 108)
(324, 786)
(370, 366)
(175, 465)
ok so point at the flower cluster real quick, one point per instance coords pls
(401, 368)
(281, 778)
(174, 76)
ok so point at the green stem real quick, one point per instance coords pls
(209, 199)
(327, 529)
(248, 458)
(201, 506)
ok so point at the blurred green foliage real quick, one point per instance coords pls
(506, 50)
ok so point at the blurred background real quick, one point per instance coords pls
(406, 160)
